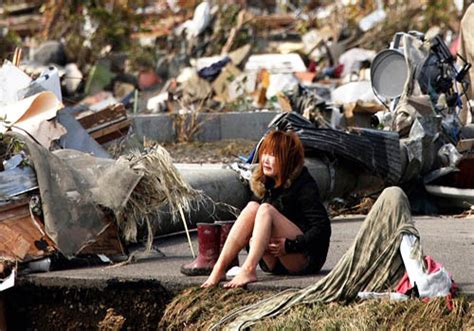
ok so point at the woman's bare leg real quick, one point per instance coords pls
(268, 223)
(238, 237)
(284, 228)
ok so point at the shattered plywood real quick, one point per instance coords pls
(22, 236)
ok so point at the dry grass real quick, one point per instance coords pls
(161, 191)
(354, 206)
(377, 314)
(161, 186)
(199, 309)
(196, 308)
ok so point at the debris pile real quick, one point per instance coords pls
(66, 208)
(370, 97)
(61, 207)
(213, 56)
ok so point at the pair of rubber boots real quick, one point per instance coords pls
(211, 239)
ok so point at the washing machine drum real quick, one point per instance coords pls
(388, 73)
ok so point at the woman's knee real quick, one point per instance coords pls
(249, 212)
(251, 208)
(252, 205)
(266, 209)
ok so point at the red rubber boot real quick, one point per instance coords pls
(225, 229)
(208, 241)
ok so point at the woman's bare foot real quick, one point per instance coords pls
(243, 278)
(213, 279)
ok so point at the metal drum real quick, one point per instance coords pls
(388, 73)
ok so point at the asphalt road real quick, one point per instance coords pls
(448, 240)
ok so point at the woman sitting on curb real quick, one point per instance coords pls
(287, 226)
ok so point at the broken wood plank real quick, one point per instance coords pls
(15, 208)
(90, 119)
(24, 25)
(111, 132)
(274, 21)
(16, 211)
(107, 242)
(20, 8)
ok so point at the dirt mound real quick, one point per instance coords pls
(130, 305)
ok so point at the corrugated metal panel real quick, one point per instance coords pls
(374, 150)
(17, 181)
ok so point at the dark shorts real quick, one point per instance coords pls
(312, 266)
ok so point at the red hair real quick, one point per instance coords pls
(288, 151)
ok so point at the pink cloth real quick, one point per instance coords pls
(404, 285)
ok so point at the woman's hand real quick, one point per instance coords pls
(276, 247)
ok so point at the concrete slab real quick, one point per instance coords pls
(214, 126)
(448, 240)
(156, 127)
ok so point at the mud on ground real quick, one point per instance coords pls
(117, 306)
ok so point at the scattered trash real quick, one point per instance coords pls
(276, 63)
(369, 115)
(232, 272)
(8, 282)
(199, 22)
(353, 92)
(50, 52)
(72, 78)
(354, 59)
(12, 80)
(374, 18)
(32, 115)
(99, 77)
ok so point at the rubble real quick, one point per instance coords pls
(375, 102)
